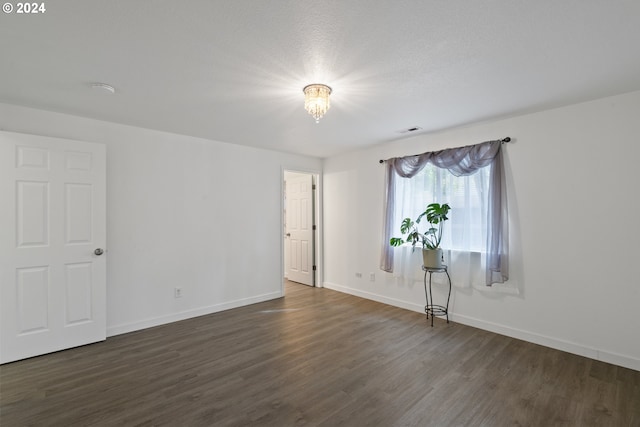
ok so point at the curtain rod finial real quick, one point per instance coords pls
(381, 161)
(507, 139)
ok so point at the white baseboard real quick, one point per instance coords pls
(558, 344)
(375, 297)
(188, 314)
(547, 341)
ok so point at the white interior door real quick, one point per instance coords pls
(53, 219)
(299, 194)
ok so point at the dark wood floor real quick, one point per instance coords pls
(318, 358)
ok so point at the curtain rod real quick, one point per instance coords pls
(504, 141)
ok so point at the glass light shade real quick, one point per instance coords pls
(316, 100)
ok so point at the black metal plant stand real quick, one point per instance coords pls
(431, 308)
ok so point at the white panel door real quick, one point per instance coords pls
(52, 220)
(300, 229)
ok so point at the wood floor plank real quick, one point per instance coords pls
(316, 358)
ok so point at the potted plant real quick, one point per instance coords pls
(436, 215)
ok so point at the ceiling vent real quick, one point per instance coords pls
(411, 129)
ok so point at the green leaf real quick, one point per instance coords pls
(406, 225)
(396, 241)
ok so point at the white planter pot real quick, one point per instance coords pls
(432, 258)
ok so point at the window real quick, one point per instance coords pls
(466, 229)
(480, 201)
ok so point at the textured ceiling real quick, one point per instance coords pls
(234, 71)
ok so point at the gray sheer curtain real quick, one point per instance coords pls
(460, 162)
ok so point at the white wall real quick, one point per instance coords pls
(181, 211)
(575, 232)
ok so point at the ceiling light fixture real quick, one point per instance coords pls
(316, 100)
(103, 87)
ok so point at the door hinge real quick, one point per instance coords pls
(314, 268)
(313, 227)
(313, 186)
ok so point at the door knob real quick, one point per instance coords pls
(98, 251)
(288, 234)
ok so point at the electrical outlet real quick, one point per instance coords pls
(372, 277)
(177, 292)
(359, 275)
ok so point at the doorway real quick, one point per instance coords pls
(301, 243)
